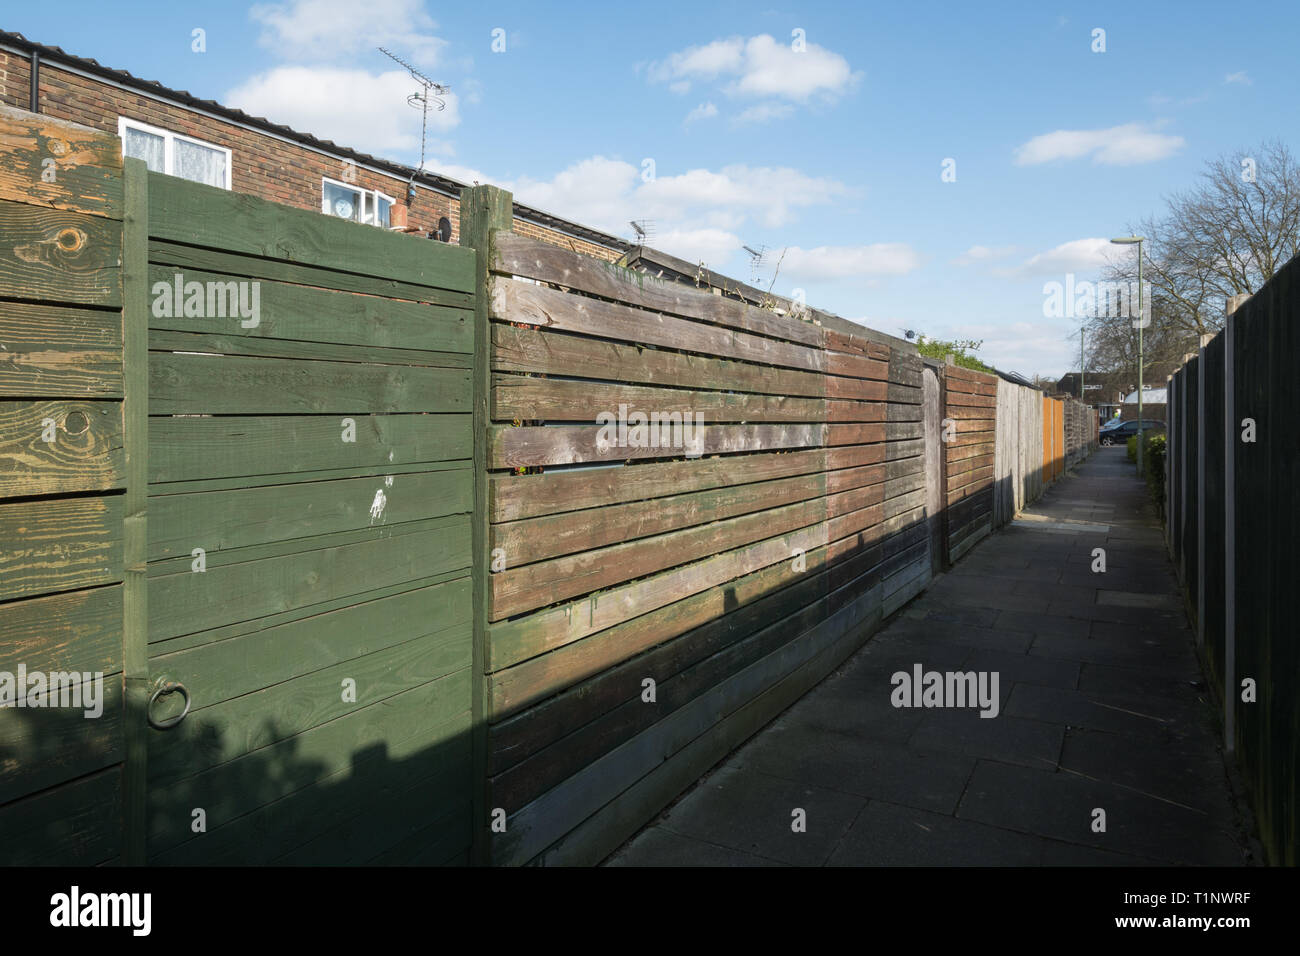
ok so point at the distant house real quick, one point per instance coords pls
(1150, 396)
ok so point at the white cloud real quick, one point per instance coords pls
(1077, 255)
(331, 30)
(982, 254)
(763, 112)
(1239, 77)
(698, 214)
(698, 245)
(701, 112)
(759, 66)
(351, 107)
(768, 194)
(1116, 146)
(843, 262)
(708, 61)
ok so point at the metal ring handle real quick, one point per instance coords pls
(168, 687)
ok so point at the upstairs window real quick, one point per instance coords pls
(166, 152)
(351, 202)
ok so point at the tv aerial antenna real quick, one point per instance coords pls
(756, 262)
(644, 229)
(428, 92)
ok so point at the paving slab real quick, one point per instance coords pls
(747, 810)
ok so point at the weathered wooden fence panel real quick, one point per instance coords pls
(1018, 456)
(970, 413)
(310, 497)
(697, 508)
(237, 458)
(62, 478)
(1240, 584)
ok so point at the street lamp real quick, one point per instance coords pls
(1141, 324)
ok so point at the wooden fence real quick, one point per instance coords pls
(63, 478)
(659, 596)
(1018, 455)
(475, 554)
(970, 409)
(1233, 463)
(266, 501)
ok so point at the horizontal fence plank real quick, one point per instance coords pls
(59, 257)
(194, 448)
(218, 731)
(538, 306)
(569, 444)
(75, 630)
(525, 398)
(222, 520)
(84, 450)
(177, 255)
(59, 545)
(189, 602)
(537, 585)
(217, 344)
(517, 640)
(50, 352)
(43, 748)
(230, 384)
(513, 497)
(521, 256)
(76, 824)
(199, 215)
(56, 164)
(553, 353)
(230, 668)
(527, 540)
(304, 314)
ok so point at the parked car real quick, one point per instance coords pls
(1121, 432)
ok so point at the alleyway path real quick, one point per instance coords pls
(1101, 706)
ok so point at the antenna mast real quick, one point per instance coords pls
(429, 90)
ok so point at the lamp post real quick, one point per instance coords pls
(1141, 324)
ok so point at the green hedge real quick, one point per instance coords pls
(1153, 464)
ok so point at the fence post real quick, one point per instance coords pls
(1230, 527)
(931, 414)
(1201, 374)
(135, 581)
(1182, 501)
(483, 209)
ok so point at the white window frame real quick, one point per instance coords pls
(377, 194)
(169, 139)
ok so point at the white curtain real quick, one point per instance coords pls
(198, 163)
(141, 145)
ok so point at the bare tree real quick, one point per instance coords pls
(1225, 236)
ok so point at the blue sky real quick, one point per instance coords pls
(833, 153)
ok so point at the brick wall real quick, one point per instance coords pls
(261, 165)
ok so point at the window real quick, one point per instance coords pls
(174, 154)
(360, 205)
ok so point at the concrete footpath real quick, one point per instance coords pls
(1101, 707)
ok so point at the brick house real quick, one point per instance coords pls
(180, 134)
